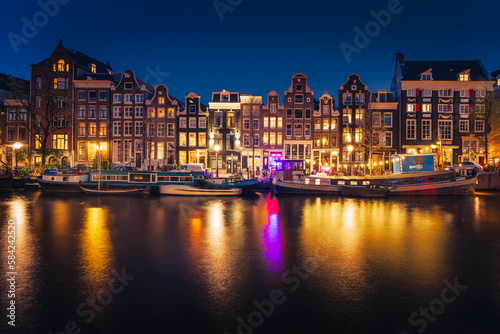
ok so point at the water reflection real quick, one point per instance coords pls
(97, 260)
(271, 234)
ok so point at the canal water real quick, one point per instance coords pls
(260, 264)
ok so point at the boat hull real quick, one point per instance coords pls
(62, 183)
(133, 191)
(282, 187)
(361, 191)
(458, 187)
(189, 190)
(6, 182)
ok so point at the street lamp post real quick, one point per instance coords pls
(16, 146)
(349, 149)
(217, 148)
(98, 149)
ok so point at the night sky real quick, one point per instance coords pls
(257, 46)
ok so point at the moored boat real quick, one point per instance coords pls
(364, 191)
(234, 182)
(198, 187)
(62, 183)
(104, 191)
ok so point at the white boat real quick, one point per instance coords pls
(198, 188)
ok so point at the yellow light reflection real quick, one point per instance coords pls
(97, 250)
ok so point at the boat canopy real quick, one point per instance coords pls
(412, 163)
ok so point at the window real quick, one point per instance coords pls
(334, 139)
(61, 66)
(376, 119)
(346, 135)
(81, 129)
(358, 136)
(411, 92)
(307, 129)
(280, 122)
(117, 98)
(192, 122)
(426, 77)
(103, 129)
(161, 100)
(265, 138)
(92, 112)
(103, 112)
(347, 98)
(256, 124)
(92, 129)
(464, 108)
(139, 112)
(246, 110)
(279, 140)
(92, 96)
(445, 107)
(256, 140)
(93, 68)
(127, 145)
(426, 129)
(347, 117)
(170, 112)
(360, 113)
(289, 113)
(139, 128)
(298, 87)
(182, 139)
(326, 124)
(299, 98)
(60, 142)
(360, 99)
(480, 126)
(192, 139)
(325, 140)
(81, 111)
(60, 83)
(246, 140)
(151, 130)
(127, 112)
(464, 126)
(59, 122)
(388, 139)
(289, 129)
(103, 96)
(272, 138)
(426, 107)
(445, 92)
(427, 93)
(410, 129)
(182, 122)
(298, 113)
(445, 128)
(218, 119)
(317, 124)
(411, 107)
(202, 139)
(161, 112)
(230, 120)
(298, 130)
(480, 93)
(11, 133)
(82, 95)
(38, 102)
(388, 119)
(127, 128)
(128, 98)
(480, 108)
(192, 109)
(266, 122)
(464, 93)
(464, 77)
(334, 124)
(170, 130)
(272, 121)
(273, 108)
(139, 98)
(38, 83)
(308, 113)
(81, 151)
(22, 115)
(129, 85)
(382, 97)
(117, 128)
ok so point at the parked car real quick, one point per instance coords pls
(466, 164)
(124, 168)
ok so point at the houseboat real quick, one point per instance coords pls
(236, 182)
(199, 187)
(62, 183)
(414, 174)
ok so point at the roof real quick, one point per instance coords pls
(101, 76)
(12, 84)
(84, 60)
(495, 74)
(444, 70)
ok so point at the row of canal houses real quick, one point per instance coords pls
(133, 123)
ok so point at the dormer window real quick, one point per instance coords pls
(61, 66)
(382, 97)
(225, 97)
(129, 85)
(93, 68)
(464, 77)
(426, 77)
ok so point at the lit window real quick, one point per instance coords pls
(426, 107)
(202, 139)
(161, 100)
(326, 124)
(61, 66)
(182, 122)
(161, 112)
(426, 129)
(60, 142)
(94, 68)
(464, 77)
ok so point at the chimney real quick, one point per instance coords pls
(60, 41)
(400, 58)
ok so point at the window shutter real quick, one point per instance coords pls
(449, 105)
(449, 92)
(418, 92)
(471, 92)
(418, 107)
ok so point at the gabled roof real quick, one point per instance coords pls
(84, 61)
(444, 70)
(495, 74)
(13, 84)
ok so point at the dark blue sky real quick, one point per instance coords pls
(258, 45)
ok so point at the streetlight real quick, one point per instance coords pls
(349, 149)
(98, 149)
(217, 148)
(16, 146)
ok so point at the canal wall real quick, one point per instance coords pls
(488, 181)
